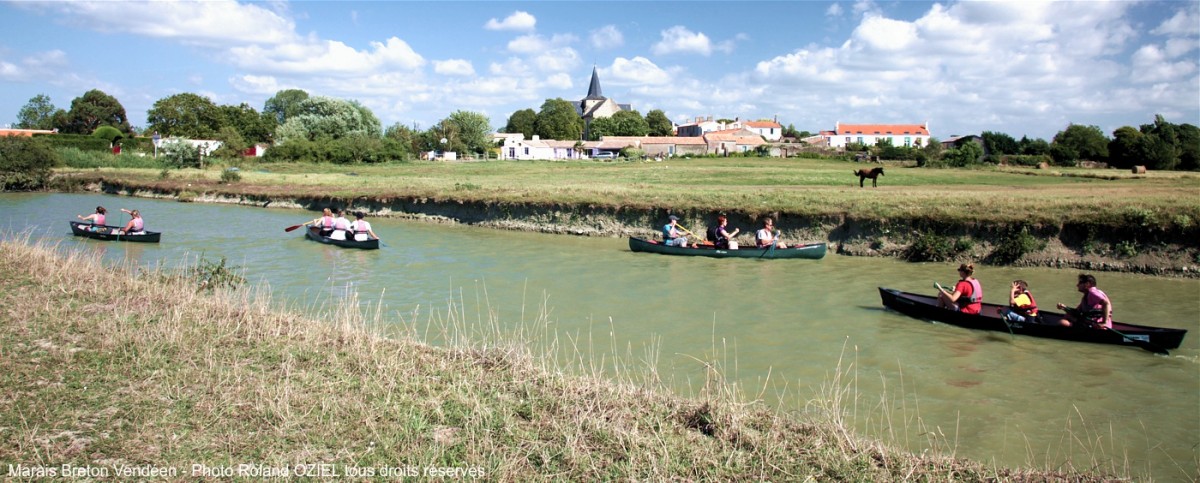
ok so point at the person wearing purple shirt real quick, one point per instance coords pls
(1095, 309)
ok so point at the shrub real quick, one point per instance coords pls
(1126, 249)
(930, 247)
(108, 133)
(78, 158)
(1016, 244)
(25, 163)
(177, 153)
(78, 141)
(632, 153)
(230, 176)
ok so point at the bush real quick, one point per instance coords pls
(930, 247)
(1024, 160)
(78, 141)
(179, 154)
(230, 176)
(108, 133)
(632, 153)
(78, 158)
(1016, 244)
(25, 163)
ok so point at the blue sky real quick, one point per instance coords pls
(1023, 68)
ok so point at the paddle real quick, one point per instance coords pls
(1143, 344)
(294, 227)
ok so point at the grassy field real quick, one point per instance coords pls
(108, 370)
(753, 186)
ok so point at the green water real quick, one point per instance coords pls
(779, 329)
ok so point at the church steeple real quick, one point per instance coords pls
(594, 88)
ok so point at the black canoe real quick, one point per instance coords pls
(314, 233)
(1154, 339)
(105, 232)
(811, 251)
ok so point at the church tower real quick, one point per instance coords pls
(595, 105)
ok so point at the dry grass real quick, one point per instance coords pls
(106, 367)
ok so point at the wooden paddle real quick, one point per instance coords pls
(294, 227)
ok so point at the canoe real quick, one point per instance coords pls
(811, 251)
(314, 233)
(105, 232)
(1154, 339)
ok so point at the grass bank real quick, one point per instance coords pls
(108, 371)
(1076, 218)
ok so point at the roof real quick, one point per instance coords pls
(24, 132)
(763, 124)
(653, 139)
(883, 129)
(740, 132)
(594, 88)
(725, 137)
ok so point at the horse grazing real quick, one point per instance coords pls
(864, 173)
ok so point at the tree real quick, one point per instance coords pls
(328, 117)
(284, 104)
(629, 123)
(600, 127)
(232, 143)
(659, 124)
(178, 153)
(401, 140)
(185, 115)
(1033, 147)
(558, 119)
(25, 162)
(38, 113)
(1088, 142)
(91, 110)
(252, 126)
(963, 155)
(1189, 147)
(998, 143)
(473, 129)
(1124, 151)
(522, 122)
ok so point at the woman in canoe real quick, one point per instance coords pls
(325, 222)
(135, 224)
(96, 219)
(968, 293)
(361, 228)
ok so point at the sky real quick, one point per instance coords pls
(1025, 68)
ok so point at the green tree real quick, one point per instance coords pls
(232, 143)
(108, 133)
(1033, 147)
(964, 154)
(185, 115)
(38, 113)
(1189, 147)
(401, 140)
(284, 104)
(600, 127)
(328, 117)
(253, 126)
(91, 110)
(659, 124)
(1088, 142)
(1063, 155)
(558, 120)
(25, 163)
(1124, 151)
(522, 122)
(474, 130)
(998, 143)
(630, 123)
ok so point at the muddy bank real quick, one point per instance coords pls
(1113, 248)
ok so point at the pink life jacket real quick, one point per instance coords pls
(99, 220)
(326, 222)
(138, 224)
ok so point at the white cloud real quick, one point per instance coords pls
(834, 10)
(607, 37)
(557, 60)
(327, 57)
(680, 39)
(534, 43)
(256, 84)
(215, 22)
(517, 21)
(1185, 22)
(40, 66)
(560, 80)
(1150, 65)
(886, 35)
(459, 67)
(637, 71)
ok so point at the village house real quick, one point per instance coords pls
(907, 135)
(596, 106)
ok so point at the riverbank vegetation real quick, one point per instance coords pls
(124, 367)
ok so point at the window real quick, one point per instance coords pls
(860, 141)
(907, 141)
(848, 139)
(527, 151)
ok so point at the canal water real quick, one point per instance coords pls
(778, 330)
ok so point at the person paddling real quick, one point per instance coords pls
(968, 293)
(1094, 310)
(325, 222)
(136, 224)
(362, 228)
(96, 219)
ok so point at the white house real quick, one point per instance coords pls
(699, 128)
(770, 130)
(869, 134)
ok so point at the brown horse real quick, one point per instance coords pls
(864, 173)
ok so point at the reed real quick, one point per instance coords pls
(110, 366)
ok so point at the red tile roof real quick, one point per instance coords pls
(883, 129)
(763, 124)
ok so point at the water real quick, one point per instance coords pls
(779, 328)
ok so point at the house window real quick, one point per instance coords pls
(527, 151)
(860, 141)
(848, 139)
(907, 141)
